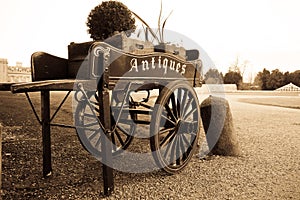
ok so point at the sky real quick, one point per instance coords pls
(260, 33)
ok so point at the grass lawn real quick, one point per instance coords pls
(274, 100)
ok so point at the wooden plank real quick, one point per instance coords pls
(106, 146)
(55, 85)
(5, 86)
(45, 113)
(104, 117)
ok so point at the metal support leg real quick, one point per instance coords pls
(106, 146)
(45, 114)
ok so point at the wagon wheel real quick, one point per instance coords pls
(175, 126)
(89, 128)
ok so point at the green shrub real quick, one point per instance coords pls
(110, 17)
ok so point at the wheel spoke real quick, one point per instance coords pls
(170, 112)
(173, 150)
(113, 142)
(86, 129)
(169, 120)
(91, 124)
(184, 99)
(94, 103)
(167, 149)
(178, 151)
(171, 141)
(189, 114)
(96, 96)
(182, 146)
(187, 107)
(185, 140)
(93, 135)
(89, 115)
(96, 109)
(98, 141)
(190, 144)
(166, 130)
(193, 133)
(119, 137)
(174, 106)
(179, 102)
(168, 137)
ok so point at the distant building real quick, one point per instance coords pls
(14, 73)
(3, 69)
(289, 87)
(218, 88)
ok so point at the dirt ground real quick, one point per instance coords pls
(269, 167)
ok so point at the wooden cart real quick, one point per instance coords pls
(106, 112)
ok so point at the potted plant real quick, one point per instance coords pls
(106, 20)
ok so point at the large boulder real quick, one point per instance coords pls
(218, 125)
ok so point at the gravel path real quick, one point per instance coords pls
(269, 167)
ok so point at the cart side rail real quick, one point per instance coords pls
(155, 66)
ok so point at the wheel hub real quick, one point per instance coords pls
(183, 127)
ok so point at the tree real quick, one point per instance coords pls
(262, 78)
(234, 67)
(286, 78)
(275, 80)
(213, 76)
(267, 80)
(295, 77)
(239, 67)
(233, 78)
(108, 18)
